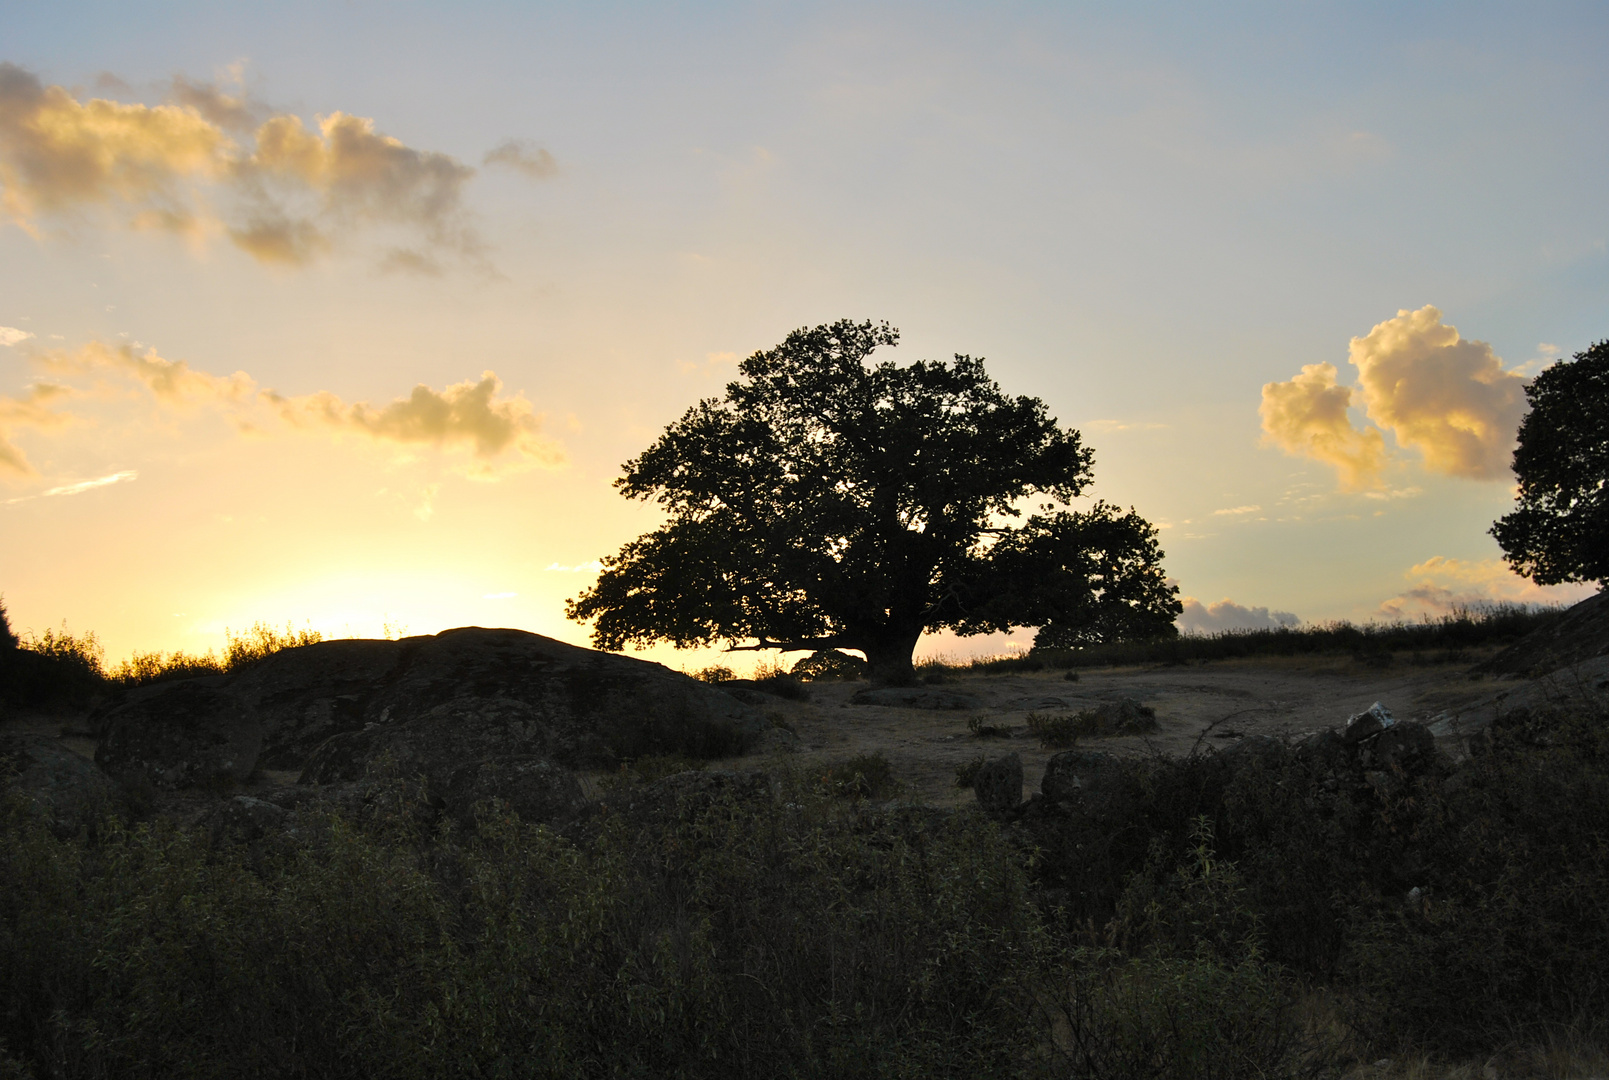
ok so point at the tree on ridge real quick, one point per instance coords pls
(828, 502)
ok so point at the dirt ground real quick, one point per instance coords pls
(1212, 704)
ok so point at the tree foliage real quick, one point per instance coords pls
(1559, 531)
(828, 502)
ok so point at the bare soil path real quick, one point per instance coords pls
(1208, 703)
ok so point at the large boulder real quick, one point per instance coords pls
(592, 708)
(1087, 779)
(63, 788)
(187, 734)
(998, 784)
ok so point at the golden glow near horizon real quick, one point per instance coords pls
(355, 334)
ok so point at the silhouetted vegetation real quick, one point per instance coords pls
(60, 669)
(831, 502)
(1184, 930)
(1444, 639)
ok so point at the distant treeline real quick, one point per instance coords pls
(1441, 639)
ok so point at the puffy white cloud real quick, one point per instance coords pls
(287, 192)
(1216, 618)
(10, 335)
(1448, 398)
(1306, 417)
(1442, 585)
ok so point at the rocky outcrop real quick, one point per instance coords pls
(64, 788)
(192, 734)
(1577, 635)
(1089, 780)
(998, 784)
(503, 693)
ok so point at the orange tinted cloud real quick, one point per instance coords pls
(468, 415)
(32, 409)
(1306, 417)
(286, 193)
(1439, 394)
(1448, 398)
(500, 432)
(1442, 585)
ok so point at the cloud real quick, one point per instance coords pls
(523, 156)
(1441, 395)
(30, 410)
(1442, 585)
(1121, 425)
(467, 415)
(172, 381)
(288, 193)
(501, 433)
(1226, 615)
(1235, 511)
(1446, 397)
(10, 335)
(99, 482)
(1306, 417)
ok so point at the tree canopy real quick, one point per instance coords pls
(1559, 531)
(829, 502)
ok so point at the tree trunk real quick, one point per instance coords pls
(889, 659)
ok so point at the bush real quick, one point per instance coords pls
(864, 776)
(724, 938)
(830, 665)
(1158, 1017)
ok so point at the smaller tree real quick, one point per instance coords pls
(1559, 531)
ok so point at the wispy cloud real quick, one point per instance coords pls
(32, 409)
(499, 432)
(1441, 585)
(1121, 425)
(208, 162)
(524, 157)
(90, 485)
(1237, 511)
(10, 335)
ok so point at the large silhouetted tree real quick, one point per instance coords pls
(1560, 529)
(828, 502)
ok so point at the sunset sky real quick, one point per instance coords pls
(347, 315)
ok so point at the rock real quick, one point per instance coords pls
(1373, 720)
(537, 789)
(65, 788)
(434, 745)
(192, 732)
(1088, 778)
(597, 708)
(1577, 635)
(243, 819)
(914, 697)
(1405, 747)
(1125, 716)
(998, 784)
(1325, 754)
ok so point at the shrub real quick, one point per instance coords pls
(715, 673)
(830, 665)
(1053, 732)
(723, 938)
(864, 776)
(980, 730)
(967, 771)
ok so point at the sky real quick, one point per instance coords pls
(346, 315)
